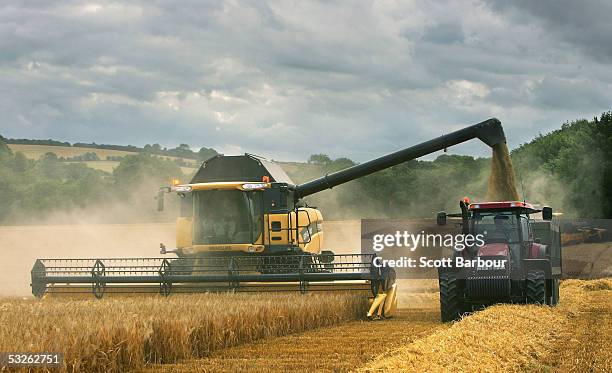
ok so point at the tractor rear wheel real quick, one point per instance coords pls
(451, 307)
(535, 287)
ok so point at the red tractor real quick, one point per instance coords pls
(509, 258)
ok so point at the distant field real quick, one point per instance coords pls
(37, 151)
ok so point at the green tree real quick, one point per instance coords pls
(576, 159)
(206, 153)
(135, 170)
(20, 162)
(4, 148)
(320, 159)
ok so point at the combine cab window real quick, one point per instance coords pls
(499, 227)
(227, 217)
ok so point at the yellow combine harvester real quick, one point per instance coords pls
(243, 228)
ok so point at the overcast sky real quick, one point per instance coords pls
(286, 79)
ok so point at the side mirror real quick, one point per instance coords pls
(441, 218)
(547, 213)
(160, 199)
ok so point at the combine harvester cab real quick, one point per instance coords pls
(243, 227)
(514, 259)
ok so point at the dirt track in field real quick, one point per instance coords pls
(336, 349)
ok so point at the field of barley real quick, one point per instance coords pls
(124, 334)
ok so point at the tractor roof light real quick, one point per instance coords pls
(500, 205)
(251, 186)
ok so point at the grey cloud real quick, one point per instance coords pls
(444, 34)
(584, 24)
(288, 78)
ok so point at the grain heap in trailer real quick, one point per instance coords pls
(243, 227)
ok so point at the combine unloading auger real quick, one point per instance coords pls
(243, 229)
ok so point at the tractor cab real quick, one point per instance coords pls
(506, 229)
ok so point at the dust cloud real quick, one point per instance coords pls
(119, 205)
(342, 236)
(502, 180)
(21, 245)
(545, 189)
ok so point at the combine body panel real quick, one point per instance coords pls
(242, 226)
(518, 262)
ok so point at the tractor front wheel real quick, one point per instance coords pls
(451, 307)
(535, 287)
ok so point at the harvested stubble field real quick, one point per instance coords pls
(575, 336)
(124, 334)
(339, 348)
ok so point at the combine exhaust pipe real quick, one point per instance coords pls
(490, 132)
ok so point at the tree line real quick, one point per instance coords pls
(569, 169)
(33, 190)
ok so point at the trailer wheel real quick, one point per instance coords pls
(555, 292)
(451, 307)
(535, 287)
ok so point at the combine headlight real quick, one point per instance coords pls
(182, 189)
(254, 186)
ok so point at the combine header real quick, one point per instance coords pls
(242, 227)
(188, 275)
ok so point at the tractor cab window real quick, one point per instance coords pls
(525, 231)
(496, 227)
(226, 217)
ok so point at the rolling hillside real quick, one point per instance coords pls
(37, 151)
